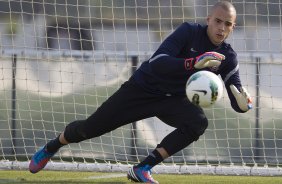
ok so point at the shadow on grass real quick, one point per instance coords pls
(10, 181)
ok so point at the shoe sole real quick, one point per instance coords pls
(130, 177)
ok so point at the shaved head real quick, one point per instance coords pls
(227, 6)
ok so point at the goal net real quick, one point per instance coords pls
(61, 59)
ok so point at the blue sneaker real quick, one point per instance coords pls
(39, 160)
(141, 174)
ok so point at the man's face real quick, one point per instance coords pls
(220, 23)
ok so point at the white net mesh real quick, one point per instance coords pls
(60, 59)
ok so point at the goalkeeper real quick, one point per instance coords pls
(157, 89)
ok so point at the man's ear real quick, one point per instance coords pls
(234, 25)
(208, 19)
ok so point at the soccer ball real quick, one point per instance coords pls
(204, 88)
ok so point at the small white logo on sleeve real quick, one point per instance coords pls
(193, 50)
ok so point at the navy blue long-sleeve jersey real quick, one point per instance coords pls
(165, 72)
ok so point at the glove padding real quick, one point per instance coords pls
(242, 97)
(208, 59)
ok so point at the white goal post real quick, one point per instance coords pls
(59, 60)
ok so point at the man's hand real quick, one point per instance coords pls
(242, 97)
(208, 59)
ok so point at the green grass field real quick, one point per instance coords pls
(60, 177)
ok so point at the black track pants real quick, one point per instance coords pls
(131, 103)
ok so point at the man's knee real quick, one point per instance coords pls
(183, 136)
(193, 131)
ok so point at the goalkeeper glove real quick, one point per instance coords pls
(208, 59)
(242, 97)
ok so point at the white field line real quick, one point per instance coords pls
(106, 176)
